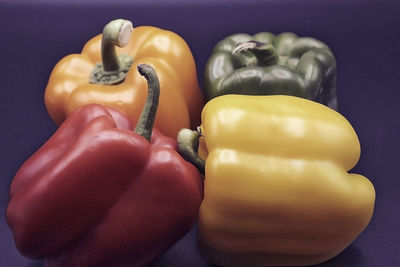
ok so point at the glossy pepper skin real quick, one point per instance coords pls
(79, 79)
(277, 191)
(98, 194)
(268, 64)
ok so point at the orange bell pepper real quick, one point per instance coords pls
(78, 79)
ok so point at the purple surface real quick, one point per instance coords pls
(364, 36)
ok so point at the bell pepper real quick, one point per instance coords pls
(277, 191)
(104, 73)
(98, 194)
(268, 64)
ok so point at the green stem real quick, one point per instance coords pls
(145, 124)
(188, 143)
(113, 68)
(265, 52)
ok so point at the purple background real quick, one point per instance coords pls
(364, 36)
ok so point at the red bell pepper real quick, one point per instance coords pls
(98, 194)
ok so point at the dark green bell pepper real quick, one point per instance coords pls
(268, 64)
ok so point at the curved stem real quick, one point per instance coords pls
(113, 68)
(115, 33)
(188, 143)
(145, 124)
(265, 52)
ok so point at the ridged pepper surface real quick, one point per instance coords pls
(105, 73)
(277, 191)
(98, 194)
(269, 64)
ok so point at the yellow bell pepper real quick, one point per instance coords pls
(277, 188)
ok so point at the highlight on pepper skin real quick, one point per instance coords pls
(277, 191)
(272, 186)
(269, 64)
(105, 74)
(98, 193)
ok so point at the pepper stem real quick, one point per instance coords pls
(113, 68)
(145, 124)
(188, 143)
(265, 52)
